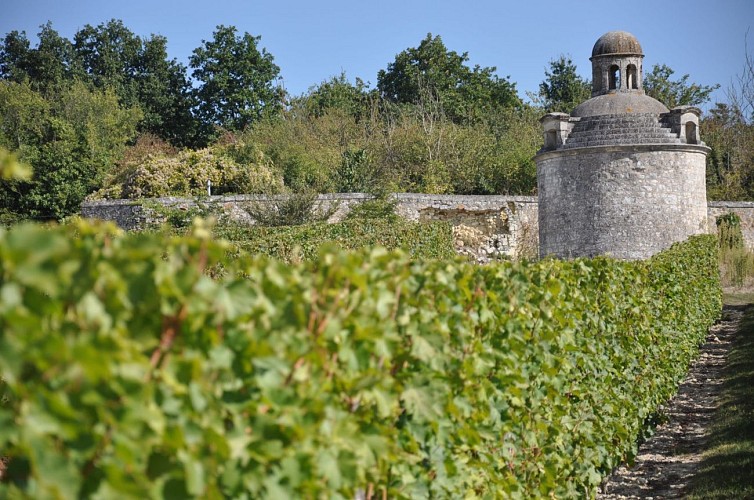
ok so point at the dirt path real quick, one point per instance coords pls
(667, 461)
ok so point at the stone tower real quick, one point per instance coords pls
(621, 175)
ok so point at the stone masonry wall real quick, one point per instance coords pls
(626, 201)
(484, 227)
(744, 209)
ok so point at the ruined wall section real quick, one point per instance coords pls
(485, 228)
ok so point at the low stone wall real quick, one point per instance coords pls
(744, 209)
(484, 227)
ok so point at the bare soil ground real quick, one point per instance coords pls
(668, 460)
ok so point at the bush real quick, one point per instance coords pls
(729, 231)
(131, 373)
(736, 261)
(292, 209)
(376, 208)
(187, 173)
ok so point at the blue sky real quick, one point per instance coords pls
(314, 40)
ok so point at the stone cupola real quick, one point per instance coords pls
(616, 64)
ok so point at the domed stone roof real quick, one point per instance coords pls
(616, 42)
(619, 103)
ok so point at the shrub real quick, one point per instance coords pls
(296, 243)
(292, 209)
(187, 173)
(376, 208)
(729, 231)
(736, 261)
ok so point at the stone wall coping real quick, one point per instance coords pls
(731, 204)
(419, 197)
(623, 148)
(450, 198)
(463, 198)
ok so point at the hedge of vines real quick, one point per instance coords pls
(369, 224)
(421, 240)
(129, 372)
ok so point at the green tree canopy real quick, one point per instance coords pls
(71, 138)
(338, 93)
(674, 93)
(165, 94)
(236, 80)
(107, 56)
(730, 163)
(464, 93)
(563, 89)
(46, 66)
(109, 53)
(141, 74)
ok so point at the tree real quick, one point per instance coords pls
(165, 94)
(465, 94)
(728, 130)
(671, 93)
(741, 91)
(71, 139)
(108, 56)
(140, 73)
(563, 89)
(109, 53)
(236, 80)
(50, 64)
(15, 55)
(338, 93)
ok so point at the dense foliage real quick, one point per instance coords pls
(432, 72)
(401, 150)
(304, 242)
(433, 123)
(301, 235)
(129, 372)
(107, 57)
(562, 89)
(72, 138)
(187, 172)
(236, 80)
(658, 84)
(730, 164)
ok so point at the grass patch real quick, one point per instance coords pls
(736, 267)
(736, 261)
(738, 297)
(727, 470)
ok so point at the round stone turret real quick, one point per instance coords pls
(622, 174)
